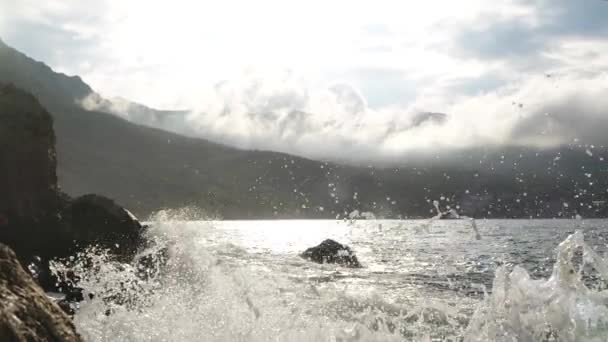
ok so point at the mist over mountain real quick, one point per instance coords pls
(146, 168)
(287, 115)
(513, 73)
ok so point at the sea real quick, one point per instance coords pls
(421, 280)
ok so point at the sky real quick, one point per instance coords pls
(326, 79)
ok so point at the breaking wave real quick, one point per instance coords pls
(186, 285)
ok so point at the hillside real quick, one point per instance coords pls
(146, 169)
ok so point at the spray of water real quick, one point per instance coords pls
(199, 293)
(452, 213)
(185, 287)
(561, 308)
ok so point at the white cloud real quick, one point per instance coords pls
(161, 52)
(287, 114)
(263, 74)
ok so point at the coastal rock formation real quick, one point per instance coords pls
(36, 220)
(26, 313)
(30, 199)
(331, 252)
(95, 219)
(27, 158)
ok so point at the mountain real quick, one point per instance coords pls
(147, 169)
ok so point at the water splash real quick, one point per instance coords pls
(187, 286)
(561, 308)
(451, 213)
(204, 294)
(474, 225)
(187, 213)
(426, 227)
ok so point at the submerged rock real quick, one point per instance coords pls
(331, 252)
(26, 313)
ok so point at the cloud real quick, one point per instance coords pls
(545, 112)
(577, 111)
(357, 82)
(58, 32)
(471, 86)
(284, 114)
(541, 27)
(502, 39)
(381, 86)
(574, 18)
(164, 53)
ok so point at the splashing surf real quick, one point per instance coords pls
(188, 286)
(561, 308)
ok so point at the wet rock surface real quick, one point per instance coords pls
(331, 252)
(27, 158)
(26, 313)
(94, 219)
(39, 222)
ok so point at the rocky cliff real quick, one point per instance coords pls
(36, 220)
(26, 314)
(27, 158)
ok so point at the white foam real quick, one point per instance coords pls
(205, 292)
(561, 308)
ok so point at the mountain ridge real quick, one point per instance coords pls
(147, 169)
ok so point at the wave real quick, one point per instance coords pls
(184, 286)
(561, 308)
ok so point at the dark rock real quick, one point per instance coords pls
(61, 282)
(66, 306)
(38, 221)
(331, 252)
(27, 158)
(26, 313)
(29, 202)
(73, 294)
(95, 219)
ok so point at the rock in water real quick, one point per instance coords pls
(32, 210)
(95, 219)
(331, 252)
(26, 313)
(37, 221)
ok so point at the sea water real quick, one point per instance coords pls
(508, 280)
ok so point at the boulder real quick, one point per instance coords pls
(93, 219)
(37, 220)
(331, 252)
(26, 313)
(27, 158)
(30, 200)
